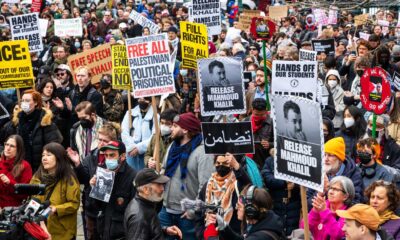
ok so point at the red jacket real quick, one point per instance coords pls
(7, 196)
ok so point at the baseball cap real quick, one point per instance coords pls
(115, 145)
(362, 213)
(148, 175)
(63, 67)
(123, 25)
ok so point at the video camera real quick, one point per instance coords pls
(200, 206)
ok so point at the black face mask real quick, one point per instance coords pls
(360, 72)
(223, 170)
(143, 105)
(364, 157)
(86, 123)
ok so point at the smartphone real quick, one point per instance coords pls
(247, 79)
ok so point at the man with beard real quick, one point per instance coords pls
(141, 220)
(258, 92)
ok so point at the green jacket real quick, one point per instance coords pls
(66, 198)
(164, 143)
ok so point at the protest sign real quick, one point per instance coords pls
(207, 12)
(121, 78)
(324, 45)
(3, 112)
(307, 55)
(262, 28)
(278, 12)
(364, 36)
(43, 24)
(332, 16)
(104, 184)
(361, 19)
(299, 141)
(71, 27)
(36, 6)
(15, 65)
(246, 17)
(383, 23)
(320, 17)
(221, 86)
(97, 59)
(194, 43)
(149, 61)
(375, 90)
(144, 22)
(27, 27)
(396, 81)
(220, 138)
(295, 78)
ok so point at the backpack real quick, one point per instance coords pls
(253, 173)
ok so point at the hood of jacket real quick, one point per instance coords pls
(313, 20)
(271, 222)
(335, 73)
(45, 116)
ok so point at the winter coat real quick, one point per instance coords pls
(66, 198)
(271, 223)
(347, 70)
(337, 94)
(164, 143)
(141, 220)
(44, 132)
(7, 197)
(103, 28)
(326, 224)
(391, 153)
(286, 208)
(113, 106)
(392, 227)
(88, 94)
(381, 173)
(350, 142)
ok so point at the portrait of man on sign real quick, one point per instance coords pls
(292, 115)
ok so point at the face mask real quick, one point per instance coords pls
(112, 164)
(77, 44)
(364, 157)
(360, 72)
(143, 105)
(183, 72)
(86, 123)
(25, 107)
(332, 83)
(348, 122)
(165, 130)
(223, 170)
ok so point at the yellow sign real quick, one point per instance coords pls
(194, 43)
(121, 78)
(15, 65)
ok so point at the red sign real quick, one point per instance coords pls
(36, 6)
(262, 28)
(375, 90)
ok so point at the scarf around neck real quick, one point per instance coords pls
(387, 215)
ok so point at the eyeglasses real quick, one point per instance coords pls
(9, 145)
(336, 190)
(253, 49)
(60, 74)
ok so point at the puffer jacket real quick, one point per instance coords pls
(141, 220)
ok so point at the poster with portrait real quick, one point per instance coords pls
(104, 185)
(375, 90)
(221, 86)
(262, 28)
(299, 141)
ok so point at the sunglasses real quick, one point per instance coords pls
(60, 74)
(253, 49)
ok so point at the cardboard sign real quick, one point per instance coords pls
(361, 19)
(36, 6)
(15, 65)
(235, 138)
(262, 28)
(375, 90)
(295, 79)
(207, 12)
(246, 17)
(144, 22)
(43, 24)
(396, 81)
(27, 27)
(121, 78)
(299, 141)
(278, 12)
(149, 61)
(307, 55)
(221, 86)
(97, 59)
(71, 27)
(326, 45)
(194, 43)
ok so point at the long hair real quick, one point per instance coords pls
(19, 156)
(63, 164)
(360, 125)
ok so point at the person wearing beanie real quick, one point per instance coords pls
(336, 163)
(333, 83)
(188, 168)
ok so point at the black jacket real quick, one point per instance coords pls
(88, 94)
(111, 214)
(141, 220)
(391, 153)
(271, 223)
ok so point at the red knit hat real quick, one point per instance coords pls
(189, 122)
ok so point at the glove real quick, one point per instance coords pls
(221, 224)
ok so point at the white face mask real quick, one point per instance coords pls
(165, 130)
(332, 83)
(25, 107)
(348, 122)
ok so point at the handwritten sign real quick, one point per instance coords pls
(121, 78)
(68, 27)
(236, 138)
(278, 12)
(144, 22)
(246, 17)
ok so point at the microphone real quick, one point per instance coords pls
(31, 209)
(196, 205)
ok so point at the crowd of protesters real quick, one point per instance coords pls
(65, 128)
